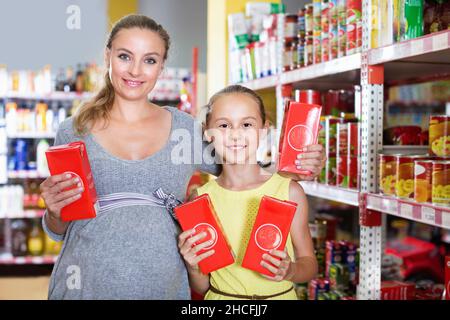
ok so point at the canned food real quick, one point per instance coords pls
(423, 171)
(288, 56)
(308, 96)
(387, 174)
(342, 27)
(301, 53)
(441, 183)
(309, 51)
(404, 185)
(325, 24)
(353, 16)
(301, 28)
(333, 29)
(290, 27)
(317, 31)
(309, 19)
(440, 135)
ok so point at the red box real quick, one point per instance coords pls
(199, 214)
(300, 129)
(397, 290)
(270, 231)
(447, 278)
(73, 158)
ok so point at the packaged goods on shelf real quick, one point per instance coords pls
(396, 290)
(354, 26)
(436, 15)
(270, 231)
(439, 140)
(11, 201)
(440, 181)
(199, 214)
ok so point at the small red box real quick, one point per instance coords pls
(300, 129)
(270, 231)
(199, 214)
(72, 158)
(447, 278)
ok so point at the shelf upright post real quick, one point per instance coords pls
(371, 143)
(279, 71)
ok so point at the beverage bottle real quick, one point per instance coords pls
(19, 238)
(41, 159)
(36, 239)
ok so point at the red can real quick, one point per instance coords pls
(325, 29)
(353, 16)
(270, 231)
(72, 158)
(308, 96)
(199, 214)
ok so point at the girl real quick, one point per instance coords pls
(234, 122)
(140, 169)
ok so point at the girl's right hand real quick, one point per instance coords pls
(189, 251)
(55, 198)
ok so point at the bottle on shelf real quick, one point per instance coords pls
(52, 247)
(36, 239)
(79, 79)
(11, 117)
(19, 232)
(42, 167)
(21, 155)
(41, 117)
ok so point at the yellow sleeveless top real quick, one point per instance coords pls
(237, 212)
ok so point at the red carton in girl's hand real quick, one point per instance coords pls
(300, 129)
(72, 158)
(199, 214)
(270, 231)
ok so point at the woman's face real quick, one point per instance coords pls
(135, 60)
(235, 126)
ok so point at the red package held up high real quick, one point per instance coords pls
(270, 231)
(300, 129)
(72, 158)
(199, 214)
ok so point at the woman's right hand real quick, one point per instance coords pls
(55, 198)
(189, 251)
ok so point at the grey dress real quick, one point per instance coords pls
(130, 252)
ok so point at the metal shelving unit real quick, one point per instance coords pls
(424, 58)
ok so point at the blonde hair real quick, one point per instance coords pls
(100, 106)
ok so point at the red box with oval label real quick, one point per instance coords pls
(199, 214)
(300, 129)
(73, 158)
(270, 231)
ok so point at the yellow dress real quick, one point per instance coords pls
(237, 212)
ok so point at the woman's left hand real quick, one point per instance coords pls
(282, 269)
(312, 159)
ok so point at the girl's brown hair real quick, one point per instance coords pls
(100, 106)
(233, 89)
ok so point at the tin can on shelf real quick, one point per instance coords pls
(387, 173)
(290, 27)
(325, 29)
(333, 29)
(439, 135)
(353, 16)
(288, 56)
(308, 96)
(423, 171)
(309, 19)
(317, 31)
(301, 24)
(301, 53)
(342, 27)
(404, 185)
(441, 183)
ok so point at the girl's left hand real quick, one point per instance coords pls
(282, 269)
(313, 159)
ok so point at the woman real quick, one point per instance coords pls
(129, 251)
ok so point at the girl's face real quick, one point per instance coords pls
(234, 127)
(135, 60)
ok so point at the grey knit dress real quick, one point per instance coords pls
(130, 251)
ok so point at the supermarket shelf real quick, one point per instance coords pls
(49, 96)
(423, 58)
(323, 191)
(405, 150)
(262, 83)
(25, 174)
(343, 70)
(9, 260)
(26, 214)
(421, 212)
(32, 135)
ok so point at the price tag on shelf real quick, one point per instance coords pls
(428, 215)
(374, 203)
(417, 46)
(406, 210)
(446, 219)
(440, 41)
(389, 205)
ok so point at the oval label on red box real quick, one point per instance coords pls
(211, 233)
(268, 237)
(299, 136)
